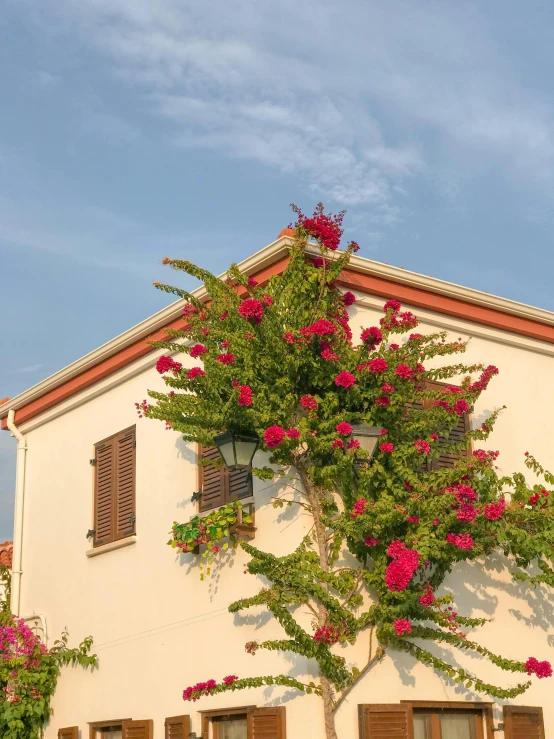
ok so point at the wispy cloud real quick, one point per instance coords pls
(355, 101)
(30, 368)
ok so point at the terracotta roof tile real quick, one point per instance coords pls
(6, 553)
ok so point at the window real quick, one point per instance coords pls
(446, 459)
(426, 720)
(114, 488)
(113, 731)
(220, 484)
(122, 729)
(244, 723)
(445, 724)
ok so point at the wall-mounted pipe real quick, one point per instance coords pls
(18, 513)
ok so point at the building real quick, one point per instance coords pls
(158, 629)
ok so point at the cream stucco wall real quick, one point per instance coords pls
(157, 628)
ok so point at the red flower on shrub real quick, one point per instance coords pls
(195, 372)
(345, 379)
(348, 299)
(273, 436)
(197, 350)
(308, 402)
(371, 336)
(402, 626)
(387, 447)
(165, 364)
(403, 371)
(343, 428)
(226, 358)
(245, 395)
(252, 310)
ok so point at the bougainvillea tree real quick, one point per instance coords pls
(29, 671)
(280, 360)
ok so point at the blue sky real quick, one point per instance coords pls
(132, 129)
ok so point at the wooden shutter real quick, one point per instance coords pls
(177, 727)
(125, 484)
(114, 489)
(240, 483)
(213, 480)
(138, 729)
(104, 492)
(267, 723)
(448, 459)
(523, 722)
(71, 732)
(385, 721)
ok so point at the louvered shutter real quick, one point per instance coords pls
(125, 484)
(104, 492)
(240, 483)
(213, 480)
(114, 489)
(523, 722)
(267, 723)
(177, 727)
(71, 732)
(447, 459)
(138, 729)
(384, 721)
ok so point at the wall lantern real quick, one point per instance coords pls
(237, 448)
(368, 436)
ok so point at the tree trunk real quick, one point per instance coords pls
(321, 536)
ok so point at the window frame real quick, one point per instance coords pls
(94, 725)
(207, 717)
(481, 709)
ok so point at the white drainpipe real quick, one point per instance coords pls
(18, 514)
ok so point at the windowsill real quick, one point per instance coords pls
(111, 546)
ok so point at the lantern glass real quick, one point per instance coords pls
(367, 436)
(237, 449)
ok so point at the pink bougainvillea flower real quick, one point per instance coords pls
(226, 358)
(392, 305)
(403, 371)
(245, 395)
(343, 428)
(197, 350)
(195, 372)
(345, 379)
(370, 541)
(348, 299)
(372, 336)
(422, 447)
(402, 626)
(166, 364)
(308, 402)
(252, 310)
(293, 433)
(273, 436)
(387, 447)
(378, 365)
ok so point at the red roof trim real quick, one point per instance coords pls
(362, 281)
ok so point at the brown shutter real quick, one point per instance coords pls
(447, 459)
(523, 722)
(104, 492)
(213, 480)
(386, 721)
(138, 729)
(71, 732)
(240, 483)
(114, 489)
(177, 727)
(125, 484)
(267, 723)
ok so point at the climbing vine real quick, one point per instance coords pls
(29, 671)
(280, 360)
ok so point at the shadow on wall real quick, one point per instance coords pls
(472, 587)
